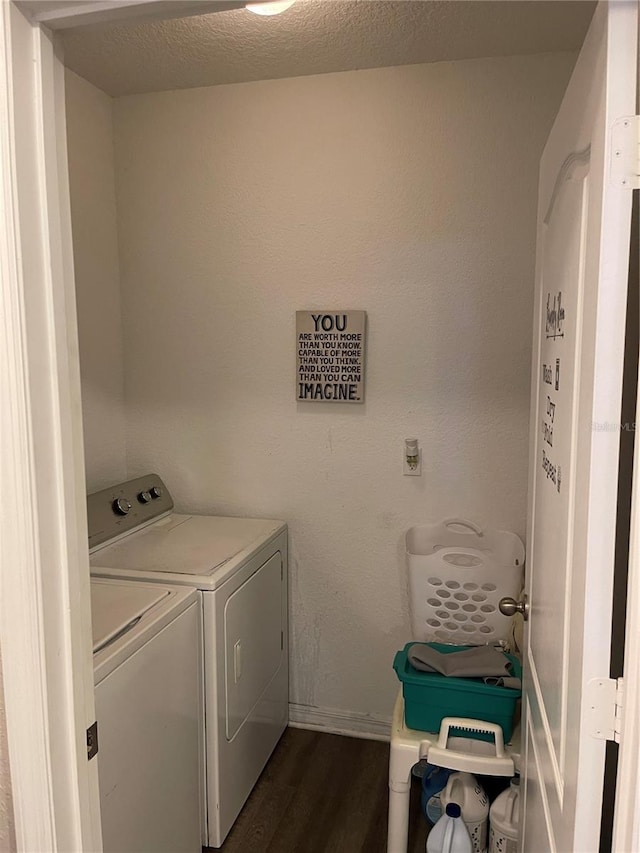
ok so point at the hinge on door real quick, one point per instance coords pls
(604, 703)
(92, 741)
(281, 641)
(625, 152)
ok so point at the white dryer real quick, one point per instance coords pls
(147, 674)
(239, 567)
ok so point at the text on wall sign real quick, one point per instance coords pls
(330, 347)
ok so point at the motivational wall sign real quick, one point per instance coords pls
(330, 349)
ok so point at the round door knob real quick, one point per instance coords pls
(509, 607)
(144, 497)
(121, 506)
(156, 492)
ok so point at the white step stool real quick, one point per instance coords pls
(409, 746)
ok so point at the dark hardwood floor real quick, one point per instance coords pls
(322, 793)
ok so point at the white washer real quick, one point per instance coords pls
(147, 673)
(239, 567)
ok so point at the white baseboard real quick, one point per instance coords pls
(338, 722)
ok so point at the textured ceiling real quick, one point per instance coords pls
(316, 37)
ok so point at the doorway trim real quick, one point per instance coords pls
(44, 566)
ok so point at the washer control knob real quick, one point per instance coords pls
(121, 506)
(144, 497)
(156, 492)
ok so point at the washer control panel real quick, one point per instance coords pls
(123, 507)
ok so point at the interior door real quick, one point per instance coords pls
(581, 284)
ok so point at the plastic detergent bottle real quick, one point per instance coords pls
(503, 817)
(465, 790)
(450, 835)
(433, 781)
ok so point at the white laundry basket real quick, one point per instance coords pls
(457, 575)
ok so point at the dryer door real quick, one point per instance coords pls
(254, 641)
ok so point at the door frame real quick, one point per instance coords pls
(626, 819)
(626, 822)
(44, 568)
(45, 632)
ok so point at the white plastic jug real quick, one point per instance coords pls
(465, 790)
(504, 820)
(450, 834)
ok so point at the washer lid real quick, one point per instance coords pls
(117, 607)
(183, 544)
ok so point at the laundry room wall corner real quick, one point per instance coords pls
(95, 244)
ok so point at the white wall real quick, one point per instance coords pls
(93, 210)
(407, 192)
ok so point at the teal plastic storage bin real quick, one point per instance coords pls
(429, 696)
